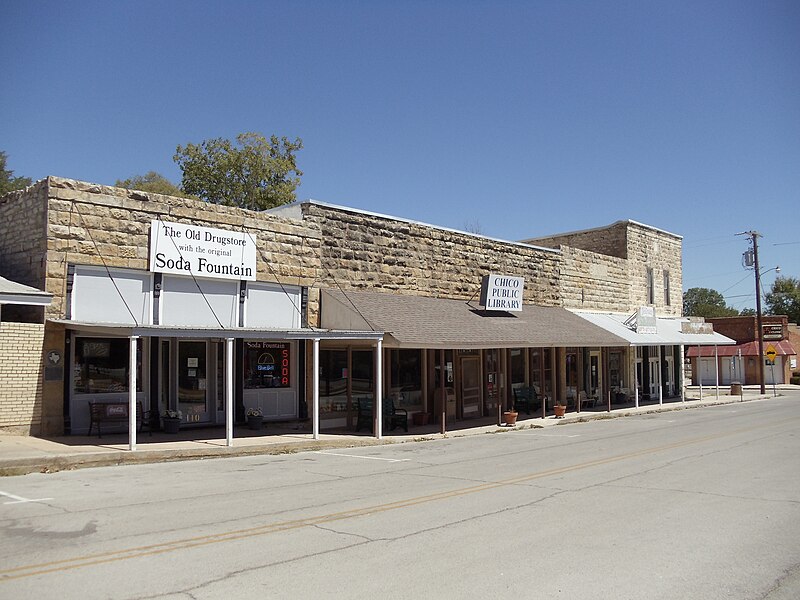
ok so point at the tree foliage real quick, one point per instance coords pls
(784, 298)
(705, 302)
(9, 183)
(253, 173)
(152, 182)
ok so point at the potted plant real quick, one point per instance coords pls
(171, 420)
(510, 417)
(560, 410)
(255, 418)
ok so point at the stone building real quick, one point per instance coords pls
(305, 310)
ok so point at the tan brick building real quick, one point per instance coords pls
(302, 310)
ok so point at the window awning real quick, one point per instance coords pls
(12, 292)
(438, 323)
(669, 331)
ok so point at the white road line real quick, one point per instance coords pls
(20, 499)
(557, 435)
(366, 457)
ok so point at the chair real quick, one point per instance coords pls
(392, 416)
(526, 398)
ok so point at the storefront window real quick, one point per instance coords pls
(267, 365)
(363, 365)
(517, 367)
(333, 377)
(406, 378)
(572, 373)
(101, 365)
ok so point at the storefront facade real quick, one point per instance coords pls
(303, 310)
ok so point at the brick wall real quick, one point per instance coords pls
(21, 375)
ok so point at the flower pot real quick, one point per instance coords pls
(255, 422)
(510, 417)
(171, 425)
(559, 409)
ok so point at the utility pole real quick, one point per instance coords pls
(754, 235)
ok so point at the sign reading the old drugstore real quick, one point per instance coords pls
(184, 249)
(502, 292)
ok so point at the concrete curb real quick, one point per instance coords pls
(52, 463)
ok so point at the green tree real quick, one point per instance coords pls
(9, 183)
(254, 173)
(784, 298)
(152, 182)
(705, 302)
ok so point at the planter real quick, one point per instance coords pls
(420, 418)
(560, 409)
(255, 422)
(171, 425)
(510, 417)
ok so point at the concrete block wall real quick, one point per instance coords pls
(21, 376)
(371, 252)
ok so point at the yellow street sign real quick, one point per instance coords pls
(771, 353)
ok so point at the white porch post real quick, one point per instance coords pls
(700, 370)
(716, 366)
(660, 383)
(681, 372)
(379, 391)
(636, 375)
(229, 391)
(315, 391)
(132, 394)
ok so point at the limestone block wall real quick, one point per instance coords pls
(374, 252)
(95, 224)
(592, 281)
(611, 240)
(661, 251)
(23, 235)
(21, 375)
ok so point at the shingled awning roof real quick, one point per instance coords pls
(422, 322)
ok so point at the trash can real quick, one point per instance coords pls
(736, 389)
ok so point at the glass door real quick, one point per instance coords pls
(192, 382)
(470, 386)
(655, 376)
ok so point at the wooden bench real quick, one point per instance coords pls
(392, 417)
(526, 398)
(116, 413)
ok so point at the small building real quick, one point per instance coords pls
(739, 362)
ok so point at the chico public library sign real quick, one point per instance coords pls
(502, 292)
(183, 249)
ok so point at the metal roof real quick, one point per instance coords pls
(669, 331)
(12, 292)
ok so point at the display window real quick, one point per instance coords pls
(406, 378)
(101, 365)
(267, 365)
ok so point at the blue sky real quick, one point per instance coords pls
(520, 118)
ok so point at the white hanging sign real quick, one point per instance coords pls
(184, 249)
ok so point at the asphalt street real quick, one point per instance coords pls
(688, 504)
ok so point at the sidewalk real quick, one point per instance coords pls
(20, 455)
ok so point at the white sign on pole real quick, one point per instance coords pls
(184, 249)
